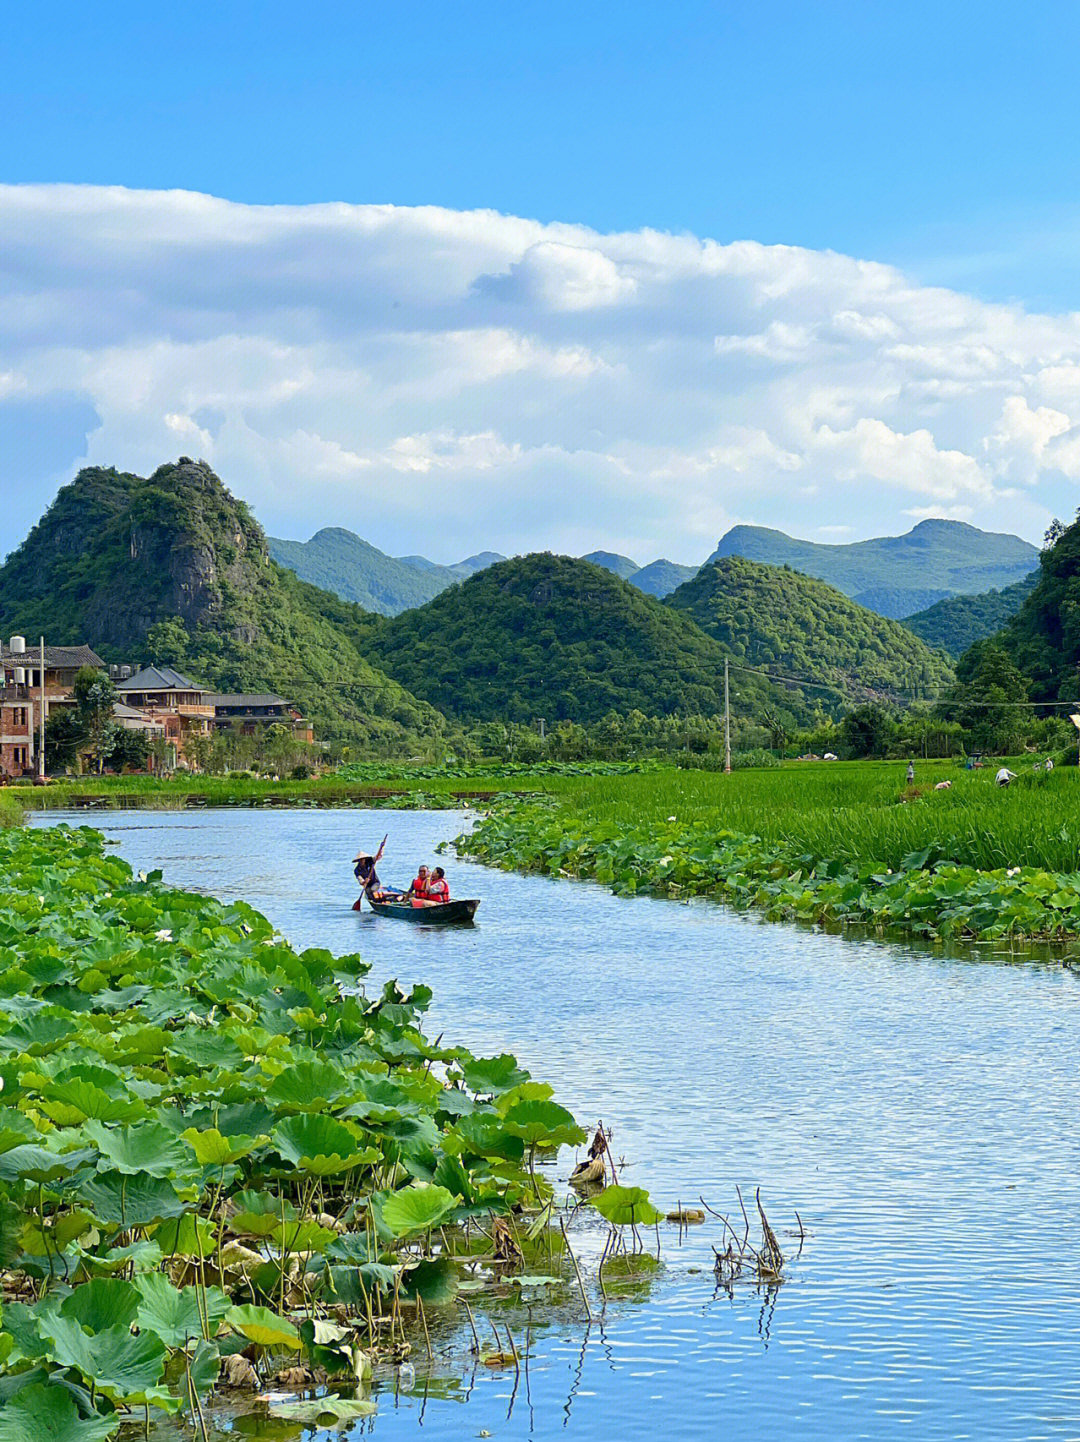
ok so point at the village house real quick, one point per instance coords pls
(23, 698)
(249, 714)
(180, 705)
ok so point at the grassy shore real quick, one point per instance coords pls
(837, 842)
(388, 786)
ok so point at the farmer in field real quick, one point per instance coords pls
(1004, 776)
(910, 772)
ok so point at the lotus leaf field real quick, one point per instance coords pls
(821, 863)
(213, 1145)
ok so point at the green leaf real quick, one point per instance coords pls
(131, 1201)
(172, 1313)
(319, 1145)
(187, 1236)
(147, 1148)
(626, 1206)
(309, 1086)
(212, 1149)
(543, 1122)
(263, 1327)
(77, 1100)
(117, 1363)
(205, 1367)
(48, 1413)
(30, 1163)
(492, 1075)
(102, 1303)
(417, 1209)
(434, 1282)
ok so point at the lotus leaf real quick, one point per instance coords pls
(206, 1049)
(47, 1413)
(186, 1236)
(72, 1102)
(543, 1123)
(417, 1209)
(263, 1327)
(213, 1149)
(626, 1206)
(308, 1087)
(120, 1200)
(492, 1075)
(148, 1148)
(319, 1145)
(173, 1313)
(485, 1135)
(115, 1362)
(320, 1409)
(101, 1304)
(435, 1283)
(30, 1163)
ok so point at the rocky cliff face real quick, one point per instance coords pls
(117, 554)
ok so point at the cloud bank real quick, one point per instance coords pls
(446, 381)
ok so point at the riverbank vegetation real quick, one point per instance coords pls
(834, 843)
(219, 1155)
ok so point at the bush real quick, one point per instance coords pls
(11, 812)
(743, 760)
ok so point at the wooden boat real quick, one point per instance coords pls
(447, 913)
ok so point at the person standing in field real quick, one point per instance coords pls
(910, 772)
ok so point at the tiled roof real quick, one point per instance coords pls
(158, 678)
(60, 658)
(240, 698)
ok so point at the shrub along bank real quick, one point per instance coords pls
(212, 1144)
(923, 892)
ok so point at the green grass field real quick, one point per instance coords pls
(860, 811)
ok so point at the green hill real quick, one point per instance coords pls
(116, 555)
(958, 622)
(559, 637)
(340, 561)
(902, 573)
(1043, 638)
(620, 566)
(660, 578)
(775, 618)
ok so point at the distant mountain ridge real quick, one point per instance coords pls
(895, 575)
(340, 561)
(955, 624)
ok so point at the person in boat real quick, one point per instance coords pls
(438, 889)
(368, 877)
(437, 892)
(419, 886)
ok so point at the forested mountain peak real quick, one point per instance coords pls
(562, 638)
(778, 619)
(175, 564)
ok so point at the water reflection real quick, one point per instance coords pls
(917, 1112)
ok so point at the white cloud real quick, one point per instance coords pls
(444, 380)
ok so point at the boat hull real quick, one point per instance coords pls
(448, 913)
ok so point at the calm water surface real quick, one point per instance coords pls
(919, 1113)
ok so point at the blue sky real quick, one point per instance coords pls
(939, 136)
(939, 139)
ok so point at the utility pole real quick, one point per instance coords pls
(727, 720)
(41, 749)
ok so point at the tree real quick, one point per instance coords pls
(95, 698)
(64, 735)
(984, 699)
(131, 750)
(866, 731)
(1054, 532)
(168, 641)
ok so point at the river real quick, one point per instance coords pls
(918, 1112)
